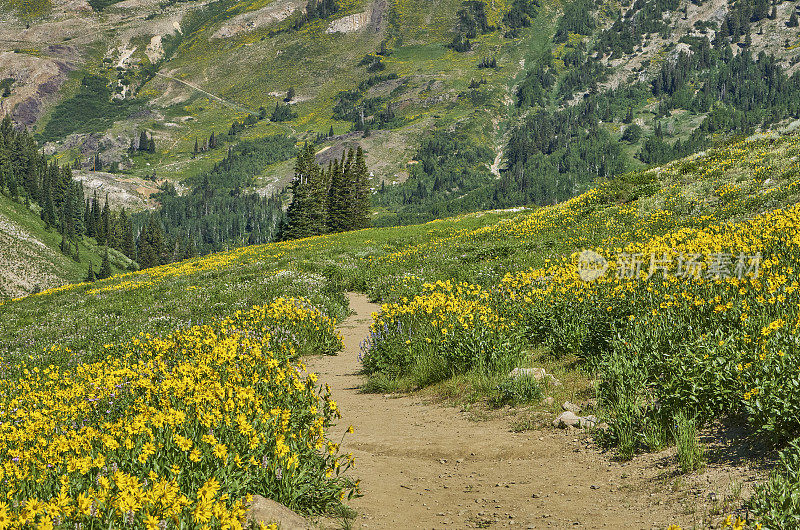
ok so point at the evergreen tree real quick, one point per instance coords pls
(320, 186)
(337, 199)
(87, 219)
(105, 267)
(70, 215)
(628, 116)
(144, 143)
(299, 214)
(101, 220)
(190, 250)
(13, 190)
(361, 206)
(151, 243)
(95, 218)
(151, 146)
(90, 276)
(105, 222)
(127, 244)
(48, 214)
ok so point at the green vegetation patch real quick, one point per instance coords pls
(90, 110)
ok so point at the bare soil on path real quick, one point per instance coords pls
(425, 465)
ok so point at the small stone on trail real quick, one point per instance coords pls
(570, 419)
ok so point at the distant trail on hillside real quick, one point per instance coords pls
(225, 102)
(425, 465)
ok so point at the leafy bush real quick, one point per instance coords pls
(99, 5)
(776, 504)
(772, 383)
(282, 112)
(632, 134)
(5, 86)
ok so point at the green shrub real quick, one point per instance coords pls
(516, 391)
(772, 380)
(776, 504)
(90, 110)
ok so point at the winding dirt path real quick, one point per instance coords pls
(426, 465)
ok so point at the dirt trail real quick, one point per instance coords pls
(429, 466)
(225, 102)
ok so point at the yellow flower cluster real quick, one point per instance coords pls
(175, 430)
(446, 306)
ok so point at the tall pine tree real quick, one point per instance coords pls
(299, 217)
(361, 195)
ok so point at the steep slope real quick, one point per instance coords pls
(31, 260)
(25, 257)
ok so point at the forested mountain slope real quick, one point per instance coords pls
(458, 105)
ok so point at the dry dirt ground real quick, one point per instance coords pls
(427, 465)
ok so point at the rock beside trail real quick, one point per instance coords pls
(263, 510)
(538, 374)
(567, 419)
(570, 419)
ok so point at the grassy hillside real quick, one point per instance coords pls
(32, 260)
(256, 68)
(221, 66)
(731, 183)
(643, 91)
